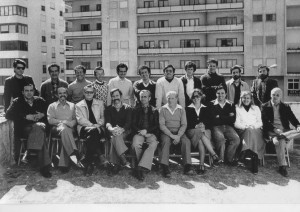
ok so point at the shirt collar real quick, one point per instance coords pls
(189, 78)
(98, 82)
(118, 78)
(216, 102)
(193, 106)
(177, 107)
(273, 104)
(58, 103)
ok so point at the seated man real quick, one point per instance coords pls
(61, 115)
(145, 127)
(277, 117)
(172, 123)
(222, 120)
(29, 116)
(118, 123)
(90, 119)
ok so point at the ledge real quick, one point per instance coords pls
(6, 141)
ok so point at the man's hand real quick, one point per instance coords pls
(298, 128)
(231, 114)
(30, 117)
(38, 116)
(143, 132)
(278, 131)
(176, 139)
(217, 116)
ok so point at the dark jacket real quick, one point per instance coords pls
(259, 99)
(286, 116)
(19, 109)
(153, 118)
(138, 86)
(223, 113)
(193, 119)
(197, 84)
(209, 80)
(13, 88)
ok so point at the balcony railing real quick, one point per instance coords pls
(183, 8)
(191, 29)
(293, 23)
(79, 15)
(83, 53)
(149, 51)
(83, 33)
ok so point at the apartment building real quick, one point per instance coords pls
(161, 32)
(34, 33)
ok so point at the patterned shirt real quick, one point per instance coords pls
(101, 89)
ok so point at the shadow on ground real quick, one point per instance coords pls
(217, 177)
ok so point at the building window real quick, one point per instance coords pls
(62, 67)
(257, 18)
(148, 4)
(85, 27)
(270, 39)
(113, 4)
(257, 62)
(163, 3)
(114, 44)
(85, 46)
(257, 40)
(149, 44)
(163, 44)
(44, 68)
(271, 61)
(87, 65)
(60, 13)
(223, 42)
(43, 8)
(99, 26)
(149, 24)
(163, 63)
(53, 35)
(227, 63)
(8, 62)
(43, 18)
(123, 4)
(13, 10)
(52, 5)
(270, 17)
(163, 23)
(113, 24)
(98, 7)
(84, 8)
(189, 2)
(99, 45)
(44, 49)
(189, 22)
(43, 38)
(183, 62)
(189, 43)
(226, 20)
(113, 64)
(99, 63)
(13, 45)
(123, 24)
(61, 50)
(293, 87)
(53, 54)
(228, 1)
(124, 44)
(150, 64)
(52, 23)
(14, 28)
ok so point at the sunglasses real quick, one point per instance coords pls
(89, 92)
(20, 68)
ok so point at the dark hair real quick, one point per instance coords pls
(115, 90)
(98, 68)
(27, 84)
(190, 64)
(53, 65)
(80, 67)
(89, 86)
(19, 61)
(212, 60)
(146, 91)
(197, 90)
(235, 67)
(169, 66)
(144, 67)
(220, 87)
(121, 65)
(261, 67)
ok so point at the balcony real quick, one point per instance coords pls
(293, 23)
(186, 8)
(80, 34)
(194, 50)
(71, 72)
(82, 15)
(83, 53)
(207, 28)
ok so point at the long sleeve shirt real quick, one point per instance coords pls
(163, 87)
(209, 80)
(138, 86)
(101, 89)
(231, 89)
(245, 118)
(122, 118)
(75, 90)
(57, 112)
(125, 85)
(221, 115)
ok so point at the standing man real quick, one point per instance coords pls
(50, 86)
(212, 80)
(145, 126)
(144, 84)
(223, 118)
(190, 82)
(172, 123)
(75, 89)
(118, 124)
(169, 83)
(235, 85)
(13, 85)
(61, 116)
(123, 84)
(101, 87)
(277, 117)
(262, 86)
(29, 115)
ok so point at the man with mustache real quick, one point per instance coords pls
(262, 86)
(236, 85)
(118, 123)
(61, 116)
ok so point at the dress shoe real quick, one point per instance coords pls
(216, 160)
(166, 171)
(254, 163)
(45, 172)
(140, 174)
(124, 162)
(283, 171)
(201, 170)
(64, 170)
(103, 161)
(88, 170)
(232, 163)
(188, 170)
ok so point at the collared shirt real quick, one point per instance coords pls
(146, 85)
(197, 110)
(125, 85)
(75, 90)
(59, 112)
(172, 112)
(221, 105)
(189, 86)
(277, 120)
(29, 101)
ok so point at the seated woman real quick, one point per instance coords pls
(248, 125)
(197, 131)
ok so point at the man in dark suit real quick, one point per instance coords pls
(13, 85)
(190, 82)
(277, 117)
(262, 86)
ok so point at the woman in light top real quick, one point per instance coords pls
(248, 125)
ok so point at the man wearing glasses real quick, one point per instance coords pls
(13, 85)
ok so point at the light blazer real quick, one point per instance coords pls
(82, 114)
(231, 89)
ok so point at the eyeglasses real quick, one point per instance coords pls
(89, 92)
(20, 68)
(196, 96)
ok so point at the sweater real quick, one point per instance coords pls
(221, 116)
(209, 80)
(244, 118)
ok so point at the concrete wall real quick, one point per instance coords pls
(6, 142)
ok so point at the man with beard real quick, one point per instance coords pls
(262, 86)
(118, 124)
(169, 83)
(235, 85)
(212, 80)
(61, 115)
(50, 86)
(29, 116)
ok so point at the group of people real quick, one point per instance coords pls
(229, 120)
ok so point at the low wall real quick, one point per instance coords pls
(6, 142)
